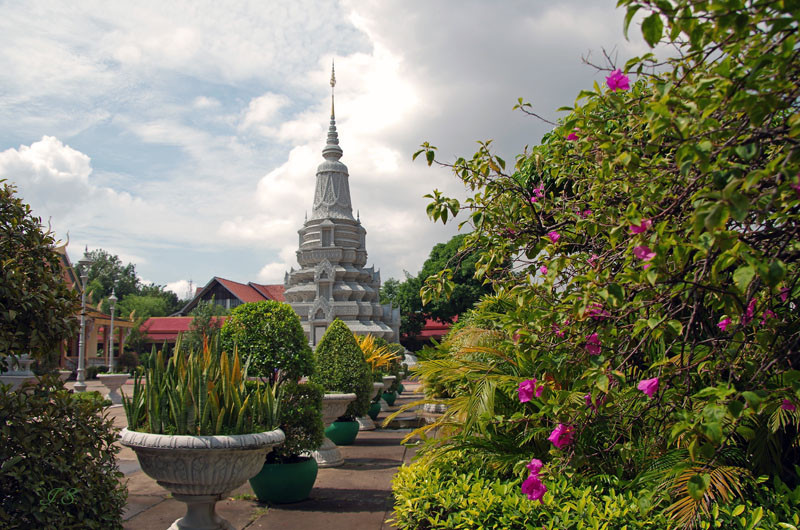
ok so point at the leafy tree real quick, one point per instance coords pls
(37, 309)
(270, 337)
(205, 323)
(107, 273)
(650, 329)
(142, 306)
(466, 289)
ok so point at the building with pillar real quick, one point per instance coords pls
(333, 280)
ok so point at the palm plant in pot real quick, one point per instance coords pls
(198, 429)
(340, 367)
(270, 338)
(379, 358)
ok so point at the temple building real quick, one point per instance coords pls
(332, 281)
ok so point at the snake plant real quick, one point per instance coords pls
(199, 392)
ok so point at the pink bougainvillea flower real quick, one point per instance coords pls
(641, 228)
(796, 186)
(788, 405)
(767, 314)
(592, 259)
(526, 390)
(648, 386)
(588, 400)
(749, 312)
(593, 344)
(643, 252)
(572, 137)
(534, 488)
(646, 266)
(534, 466)
(538, 193)
(586, 213)
(784, 294)
(534, 199)
(597, 312)
(538, 391)
(618, 81)
(557, 330)
(724, 323)
(543, 269)
(561, 436)
(554, 236)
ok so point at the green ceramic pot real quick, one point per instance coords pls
(389, 398)
(285, 483)
(374, 410)
(342, 432)
(401, 389)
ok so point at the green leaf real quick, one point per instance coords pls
(743, 276)
(697, 485)
(652, 29)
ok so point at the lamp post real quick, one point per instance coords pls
(113, 299)
(85, 263)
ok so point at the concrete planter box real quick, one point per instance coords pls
(112, 382)
(366, 423)
(200, 470)
(333, 406)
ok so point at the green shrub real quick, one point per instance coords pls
(92, 371)
(58, 461)
(454, 491)
(300, 419)
(341, 367)
(269, 335)
(128, 361)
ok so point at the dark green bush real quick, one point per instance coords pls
(57, 461)
(341, 367)
(92, 371)
(270, 336)
(127, 362)
(300, 419)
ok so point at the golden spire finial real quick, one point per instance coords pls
(333, 84)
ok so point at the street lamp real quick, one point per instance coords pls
(113, 299)
(85, 263)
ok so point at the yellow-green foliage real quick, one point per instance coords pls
(379, 357)
(199, 393)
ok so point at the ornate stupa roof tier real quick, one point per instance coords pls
(333, 281)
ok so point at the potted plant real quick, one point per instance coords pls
(341, 368)
(289, 473)
(270, 338)
(379, 358)
(198, 429)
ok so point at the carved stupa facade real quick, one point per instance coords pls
(333, 280)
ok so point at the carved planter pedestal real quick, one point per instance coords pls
(200, 470)
(333, 406)
(112, 382)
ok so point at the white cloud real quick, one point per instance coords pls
(182, 288)
(262, 112)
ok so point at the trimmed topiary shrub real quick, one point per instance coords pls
(269, 335)
(58, 460)
(341, 367)
(300, 419)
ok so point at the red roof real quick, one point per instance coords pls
(243, 292)
(159, 329)
(271, 292)
(435, 329)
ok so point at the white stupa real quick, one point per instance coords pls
(333, 281)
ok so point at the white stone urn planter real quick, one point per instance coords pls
(388, 380)
(333, 406)
(365, 423)
(112, 382)
(200, 470)
(19, 371)
(64, 375)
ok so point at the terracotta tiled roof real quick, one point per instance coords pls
(435, 328)
(271, 292)
(243, 292)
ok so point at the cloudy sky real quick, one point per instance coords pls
(184, 136)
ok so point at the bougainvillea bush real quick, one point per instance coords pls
(650, 305)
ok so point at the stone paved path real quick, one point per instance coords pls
(355, 496)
